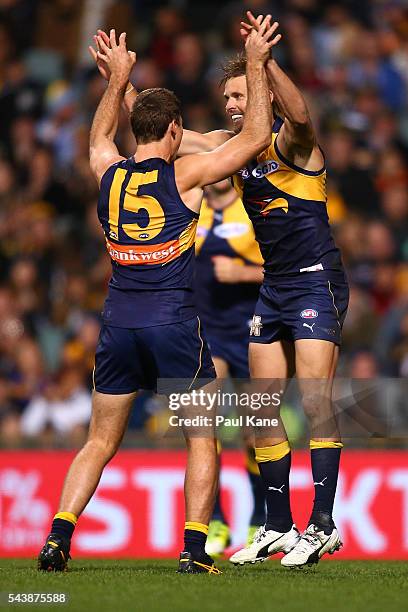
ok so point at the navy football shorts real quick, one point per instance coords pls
(127, 360)
(310, 305)
(232, 349)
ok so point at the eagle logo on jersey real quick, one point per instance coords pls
(268, 204)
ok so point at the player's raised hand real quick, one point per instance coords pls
(102, 65)
(259, 40)
(116, 61)
(255, 23)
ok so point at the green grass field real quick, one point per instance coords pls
(147, 585)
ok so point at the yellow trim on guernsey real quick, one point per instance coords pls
(193, 526)
(204, 225)
(292, 182)
(238, 184)
(287, 179)
(314, 444)
(67, 516)
(188, 236)
(244, 243)
(272, 453)
(114, 199)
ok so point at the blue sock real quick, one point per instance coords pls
(325, 469)
(195, 537)
(258, 493)
(64, 524)
(275, 477)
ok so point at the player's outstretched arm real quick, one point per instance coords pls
(207, 168)
(296, 140)
(297, 132)
(192, 142)
(102, 149)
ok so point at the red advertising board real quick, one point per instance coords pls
(137, 510)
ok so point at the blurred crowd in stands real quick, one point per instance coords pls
(350, 58)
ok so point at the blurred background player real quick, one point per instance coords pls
(148, 208)
(228, 275)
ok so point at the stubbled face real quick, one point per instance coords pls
(235, 94)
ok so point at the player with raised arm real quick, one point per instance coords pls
(148, 208)
(302, 303)
(300, 312)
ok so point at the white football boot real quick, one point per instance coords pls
(313, 544)
(265, 544)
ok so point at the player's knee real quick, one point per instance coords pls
(312, 405)
(105, 447)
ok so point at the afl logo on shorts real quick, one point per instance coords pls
(143, 236)
(309, 313)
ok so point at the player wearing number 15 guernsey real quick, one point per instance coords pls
(148, 208)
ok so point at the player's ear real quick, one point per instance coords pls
(173, 127)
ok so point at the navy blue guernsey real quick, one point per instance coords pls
(225, 307)
(287, 206)
(150, 236)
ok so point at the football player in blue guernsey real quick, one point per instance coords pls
(301, 308)
(302, 302)
(228, 275)
(148, 208)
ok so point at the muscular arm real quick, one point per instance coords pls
(194, 142)
(296, 140)
(119, 61)
(102, 149)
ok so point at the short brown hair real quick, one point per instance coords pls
(153, 110)
(235, 67)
